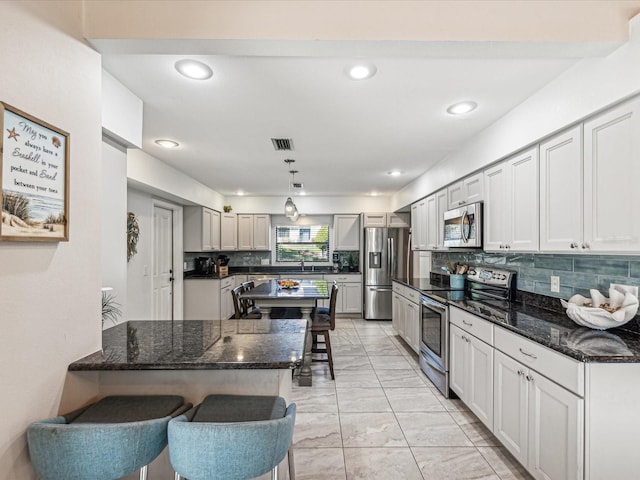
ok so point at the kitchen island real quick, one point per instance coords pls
(195, 358)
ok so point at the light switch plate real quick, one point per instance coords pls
(264, 261)
(555, 283)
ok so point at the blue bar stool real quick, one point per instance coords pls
(114, 437)
(234, 437)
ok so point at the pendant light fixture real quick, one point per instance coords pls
(290, 209)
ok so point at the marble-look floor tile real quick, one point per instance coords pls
(319, 400)
(480, 435)
(351, 378)
(453, 404)
(381, 464)
(348, 349)
(317, 430)
(432, 429)
(400, 378)
(446, 463)
(381, 348)
(371, 430)
(362, 400)
(504, 464)
(319, 464)
(419, 399)
(352, 362)
(389, 362)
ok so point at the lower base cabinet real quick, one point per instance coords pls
(405, 317)
(538, 421)
(349, 299)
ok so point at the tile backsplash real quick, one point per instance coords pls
(578, 273)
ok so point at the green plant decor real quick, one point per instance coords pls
(133, 231)
(110, 308)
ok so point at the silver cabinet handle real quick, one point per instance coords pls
(530, 355)
(529, 378)
(507, 246)
(574, 245)
(520, 372)
(585, 246)
(467, 323)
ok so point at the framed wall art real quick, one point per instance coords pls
(34, 176)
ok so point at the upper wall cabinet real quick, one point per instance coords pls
(382, 219)
(254, 232)
(228, 231)
(611, 179)
(201, 229)
(467, 190)
(561, 186)
(346, 231)
(511, 204)
(419, 225)
(436, 206)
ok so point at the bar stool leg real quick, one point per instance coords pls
(177, 476)
(274, 473)
(292, 467)
(143, 473)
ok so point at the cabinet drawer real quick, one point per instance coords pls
(476, 326)
(343, 278)
(226, 282)
(561, 369)
(411, 294)
(397, 288)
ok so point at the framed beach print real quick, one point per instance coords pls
(34, 176)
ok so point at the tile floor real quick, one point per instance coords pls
(382, 419)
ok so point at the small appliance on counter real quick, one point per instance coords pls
(336, 262)
(205, 266)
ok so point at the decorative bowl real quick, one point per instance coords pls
(600, 312)
(288, 283)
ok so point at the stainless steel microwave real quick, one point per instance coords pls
(463, 226)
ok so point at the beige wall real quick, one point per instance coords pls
(49, 293)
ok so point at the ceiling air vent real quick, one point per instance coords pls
(297, 185)
(282, 143)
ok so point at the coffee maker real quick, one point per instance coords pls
(204, 266)
(336, 262)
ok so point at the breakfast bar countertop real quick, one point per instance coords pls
(198, 345)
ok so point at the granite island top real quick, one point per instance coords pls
(199, 345)
(289, 272)
(550, 326)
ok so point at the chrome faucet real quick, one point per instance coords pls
(302, 265)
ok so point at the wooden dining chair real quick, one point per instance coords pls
(322, 322)
(241, 310)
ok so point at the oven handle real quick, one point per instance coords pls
(432, 305)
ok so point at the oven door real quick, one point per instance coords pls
(434, 330)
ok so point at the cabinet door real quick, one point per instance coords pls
(207, 225)
(473, 188)
(351, 297)
(397, 314)
(524, 201)
(245, 232)
(441, 207)
(497, 209)
(412, 325)
(511, 406)
(261, 232)
(458, 362)
(561, 210)
(555, 430)
(611, 178)
(432, 222)
(346, 232)
(375, 219)
(228, 231)
(226, 303)
(455, 195)
(480, 380)
(398, 220)
(215, 230)
(415, 227)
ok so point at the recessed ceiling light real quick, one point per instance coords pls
(362, 71)
(374, 194)
(302, 193)
(461, 108)
(394, 173)
(194, 69)
(240, 193)
(167, 143)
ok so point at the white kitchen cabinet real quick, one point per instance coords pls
(436, 205)
(386, 219)
(466, 191)
(346, 231)
(208, 299)
(405, 314)
(419, 225)
(349, 300)
(228, 231)
(611, 178)
(254, 232)
(561, 185)
(201, 229)
(538, 421)
(227, 309)
(511, 204)
(471, 367)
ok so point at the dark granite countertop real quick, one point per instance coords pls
(543, 320)
(199, 345)
(289, 271)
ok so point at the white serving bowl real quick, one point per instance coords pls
(586, 312)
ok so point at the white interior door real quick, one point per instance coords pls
(162, 263)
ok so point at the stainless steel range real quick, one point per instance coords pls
(484, 286)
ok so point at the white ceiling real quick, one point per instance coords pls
(347, 134)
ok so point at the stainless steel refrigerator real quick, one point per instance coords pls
(387, 255)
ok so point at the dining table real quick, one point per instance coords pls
(300, 293)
